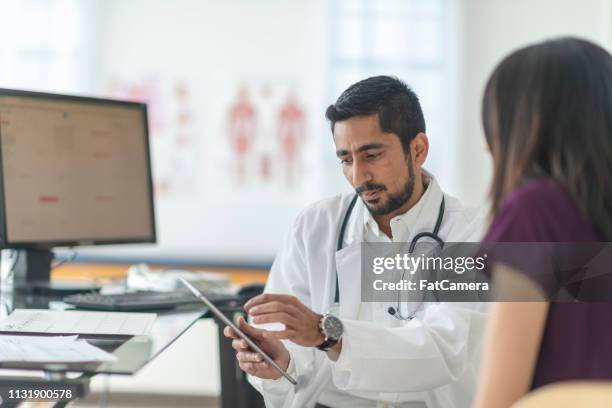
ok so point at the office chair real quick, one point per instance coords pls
(250, 290)
(239, 393)
(251, 397)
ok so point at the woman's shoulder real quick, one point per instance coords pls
(538, 193)
(540, 210)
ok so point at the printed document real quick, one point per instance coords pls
(77, 322)
(57, 349)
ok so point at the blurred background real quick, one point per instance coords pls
(237, 92)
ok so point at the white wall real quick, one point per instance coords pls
(213, 43)
(492, 29)
(215, 47)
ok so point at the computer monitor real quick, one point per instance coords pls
(73, 171)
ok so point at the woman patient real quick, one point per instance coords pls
(547, 114)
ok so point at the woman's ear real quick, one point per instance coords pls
(419, 147)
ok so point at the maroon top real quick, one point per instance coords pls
(577, 336)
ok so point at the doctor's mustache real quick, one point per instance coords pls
(369, 187)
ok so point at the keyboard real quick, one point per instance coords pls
(142, 300)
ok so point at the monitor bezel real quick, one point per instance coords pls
(48, 244)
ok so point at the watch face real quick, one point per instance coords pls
(332, 327)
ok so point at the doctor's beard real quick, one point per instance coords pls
(394, 201)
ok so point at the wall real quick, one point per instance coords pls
(492, 29)
(212, 50)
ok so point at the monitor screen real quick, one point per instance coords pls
(74, 171)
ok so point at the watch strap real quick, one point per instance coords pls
(327, 344)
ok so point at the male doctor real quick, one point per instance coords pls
(356, 354)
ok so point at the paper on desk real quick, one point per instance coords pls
(140, 277)
(57, 349)
(77, 322)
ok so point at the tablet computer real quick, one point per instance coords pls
(236, 330)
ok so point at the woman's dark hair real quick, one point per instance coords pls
(398, 107)
(547, 112)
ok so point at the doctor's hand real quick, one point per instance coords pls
(301, 323)
(250, 361)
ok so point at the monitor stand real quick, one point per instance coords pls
(32, 273)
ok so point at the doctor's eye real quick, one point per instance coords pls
(373, 156)
(346, 161)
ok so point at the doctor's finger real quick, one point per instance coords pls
(248, 368)
(252, 332)
(248, 357)
(280, 317)
(267, 298)
(240, 345)
(245, 327)
(229, 332)
(272, 307)
(256, 369)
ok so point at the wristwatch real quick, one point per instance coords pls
(332, 328)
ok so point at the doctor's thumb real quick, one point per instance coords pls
(249, 330)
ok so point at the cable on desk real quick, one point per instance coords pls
(70, 258)
(15, 254)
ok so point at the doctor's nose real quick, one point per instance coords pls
(360, 175)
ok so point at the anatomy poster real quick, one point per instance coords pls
(265, 135)
(173, 136)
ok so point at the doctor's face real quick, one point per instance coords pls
(375, 164)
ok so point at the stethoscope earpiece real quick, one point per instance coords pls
(391, 310)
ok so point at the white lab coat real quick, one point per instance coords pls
(430, 361)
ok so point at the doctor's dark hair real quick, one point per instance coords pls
(547, 112)
(397, 106)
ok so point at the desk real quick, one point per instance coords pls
(235, 391)
(132, 352)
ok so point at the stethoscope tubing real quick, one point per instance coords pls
(433, 235)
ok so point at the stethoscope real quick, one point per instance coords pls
(393, 311)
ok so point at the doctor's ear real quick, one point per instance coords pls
(419, 147)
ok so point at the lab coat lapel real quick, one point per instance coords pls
(348, 265)
(426, 220)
